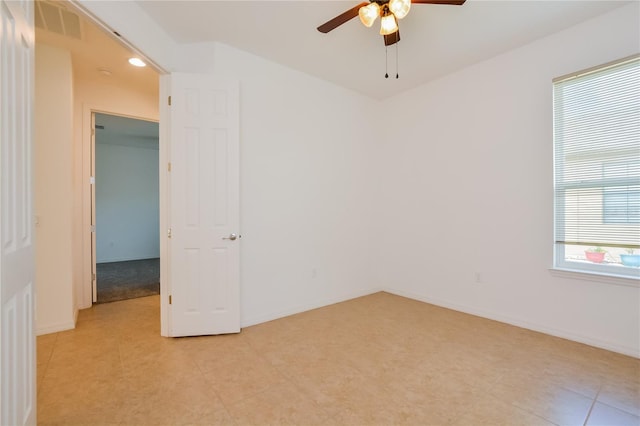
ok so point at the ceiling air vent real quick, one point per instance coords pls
(56, 19)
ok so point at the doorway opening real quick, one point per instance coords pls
(125, 205)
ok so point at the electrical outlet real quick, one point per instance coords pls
(478, 278)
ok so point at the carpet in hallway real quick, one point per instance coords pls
(127, 280)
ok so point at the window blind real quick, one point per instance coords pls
(597, 157)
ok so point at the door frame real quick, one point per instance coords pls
(90, 182)
(164, 132)
(85, 292)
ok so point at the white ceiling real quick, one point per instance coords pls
(98, 56)
(436, 39)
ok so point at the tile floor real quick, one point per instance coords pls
(375, 360)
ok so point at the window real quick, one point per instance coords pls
(596, 130)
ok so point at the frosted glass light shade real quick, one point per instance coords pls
(388, 25)
(400, 8)
(368, 14)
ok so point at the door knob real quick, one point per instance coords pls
(230, 237)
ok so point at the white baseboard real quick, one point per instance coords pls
(625, 350)
(54, 328)
(247, 322)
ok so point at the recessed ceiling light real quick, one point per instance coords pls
(137, 62)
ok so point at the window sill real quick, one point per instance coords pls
(591, 276)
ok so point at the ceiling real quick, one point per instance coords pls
(96, 55)
(436, 39)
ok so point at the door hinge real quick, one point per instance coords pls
(169, 233)
(92, 180)
(93, 277)
(93, 132)
(169, 100)
(168, 167)
(169, 299)
(93, 228)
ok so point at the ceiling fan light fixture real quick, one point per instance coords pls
(388, 24)
(400, 8)
(368, 14)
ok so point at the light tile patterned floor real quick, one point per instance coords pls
(375, 360)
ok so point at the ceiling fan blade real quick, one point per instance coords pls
(341, 19)
(393, 38)
(451, 2)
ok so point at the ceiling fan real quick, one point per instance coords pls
(388, 10)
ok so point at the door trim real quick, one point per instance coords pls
(164, 159)
(85, 292)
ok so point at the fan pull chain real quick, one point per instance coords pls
(397, 60)
(386, 62)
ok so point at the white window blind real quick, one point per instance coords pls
(597, 167)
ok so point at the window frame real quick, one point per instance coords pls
(578, 268)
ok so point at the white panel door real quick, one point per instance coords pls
(204, 217)
(17, 342)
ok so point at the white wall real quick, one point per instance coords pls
(306, 188)
(127, 198)
(470, 183)
(53, 189)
